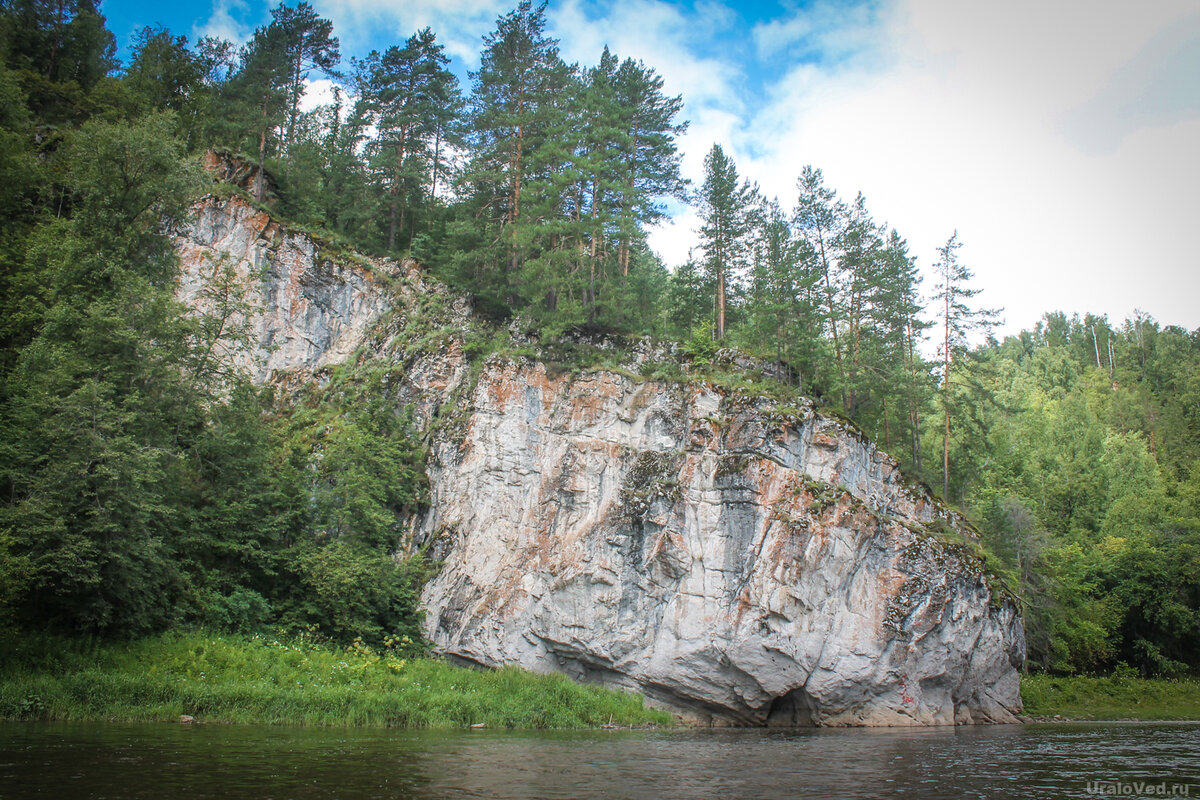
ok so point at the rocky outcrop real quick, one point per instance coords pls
(227, 167)
(732, 559)
(300, 308)
(735, 559)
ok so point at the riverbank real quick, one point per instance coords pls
(1087, 698)
(242, 679)
(266, 680)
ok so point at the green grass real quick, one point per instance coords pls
(1110, 698)
(239, 679)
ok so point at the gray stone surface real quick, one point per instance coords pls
(306, 311)
(736, 561)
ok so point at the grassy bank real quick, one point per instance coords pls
(222, 678)
(1110, 698)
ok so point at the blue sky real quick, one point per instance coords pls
(1061, 139)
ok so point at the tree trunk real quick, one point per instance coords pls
(515, 209)
(293, 113)
(855, 353)
(946, 403)
(721, 302)
(914, 417)
(946, 459)
(55, 36)
(437, 155)
(623, 255)
(837, 347)
(262, 154)
(887, 431)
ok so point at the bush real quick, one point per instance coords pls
(350, 592)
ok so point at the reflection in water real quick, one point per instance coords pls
(231, 762)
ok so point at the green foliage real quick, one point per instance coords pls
(95, 402)
(145, 483)
(350, 592)
(415, 105)
(702, 345)
(59, 50)
(727, 208)
(1080, 499)
(1119, 697)
(289, 680)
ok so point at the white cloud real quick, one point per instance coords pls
(673, 40)
(459, 24)
(825, 30)
(663, 35)
(223, 24)
(674, 237)
(319, 92)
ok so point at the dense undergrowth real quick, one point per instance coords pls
(1118, 697)
(266, 680)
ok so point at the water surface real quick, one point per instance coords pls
(230, 762)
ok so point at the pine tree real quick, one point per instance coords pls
(861, 247)
(409, 96)
(64, 45)
(513, 105)
(784, 313)
(905, 373)
(596, 125)
(307, 44)
(649, 160)
(820, 219)
(726, 214)
(258, 94)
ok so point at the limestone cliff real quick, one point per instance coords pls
(306, 310)
(732, 558)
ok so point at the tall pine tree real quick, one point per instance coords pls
(726, 208)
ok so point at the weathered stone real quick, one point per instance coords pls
(734, 560)
(306, 310)
(239, 171)
(676, 542)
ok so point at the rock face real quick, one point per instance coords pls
(735, 560)
(739, 561)
(302, 310)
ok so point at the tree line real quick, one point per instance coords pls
(132, 469)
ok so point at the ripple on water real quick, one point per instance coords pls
(229, 762)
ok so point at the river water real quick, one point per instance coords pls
(231, 762)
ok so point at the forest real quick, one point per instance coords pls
(144, 487)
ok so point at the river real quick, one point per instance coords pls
(61, 760)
